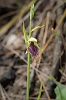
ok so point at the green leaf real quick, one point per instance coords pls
(25, 34)
(37, 28)
(60, 91)
(32, 12)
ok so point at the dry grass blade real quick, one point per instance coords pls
(46, 29)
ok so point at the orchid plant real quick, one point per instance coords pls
(31, 45)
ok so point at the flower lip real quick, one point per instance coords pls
(33, 49)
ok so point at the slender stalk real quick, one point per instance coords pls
(28, 68)
(30, 29)
(39, 95)
(28, 77)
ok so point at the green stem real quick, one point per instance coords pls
(28, 77)
(39, 95)
(30, 29)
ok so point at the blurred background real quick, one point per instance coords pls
(13, 57)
